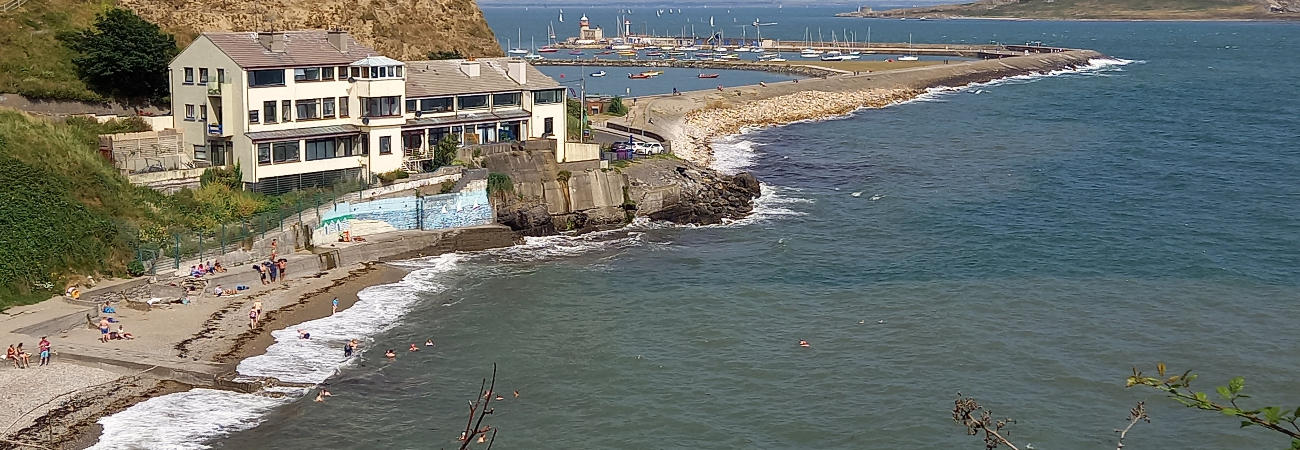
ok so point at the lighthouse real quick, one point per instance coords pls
(588, 34)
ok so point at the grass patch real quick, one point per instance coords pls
(32, 60)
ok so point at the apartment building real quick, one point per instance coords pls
(311, 108)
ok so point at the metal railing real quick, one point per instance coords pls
(11, 5)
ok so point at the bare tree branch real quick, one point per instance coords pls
(1135, 415)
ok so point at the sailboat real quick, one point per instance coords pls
(561, 15)
(531, 56)
(550, 45)
(517, 50)
(909, 45)
(809, 52)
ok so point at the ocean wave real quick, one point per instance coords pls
(1095, 67)
(184, 420)
(774, 202)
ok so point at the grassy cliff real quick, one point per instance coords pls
(34, 63)
(1107, 9)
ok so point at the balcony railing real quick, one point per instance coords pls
(214, 88)
(214, 129)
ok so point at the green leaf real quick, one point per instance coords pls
(1230, 411)
(1224, 392)
(1201, 397)
(1297, 412)
(1246, 423)
(1236, 384)
(1272, 414)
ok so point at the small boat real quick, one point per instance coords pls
(777, 59)
(742, 49)
(599, 74)
(732, 56)
(639, 76)
(810, 53)
(533, 57)
(707, 75)
(620, 47)
(548, 49)
(908, 58)
(575, 52)
(654, 54)
(719, 49)
(691, 48)
(606, 52)
(652, 73)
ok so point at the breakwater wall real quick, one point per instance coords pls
(690, 121)
(791, 69)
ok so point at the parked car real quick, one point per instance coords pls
(653, 148)
(619, 146)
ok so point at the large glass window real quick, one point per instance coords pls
(506, 99)
(472, 101)
(381, 106)
(264, 153)
(322, 149)
(306, 74)
(286, 151)
(411, 105)
(286, 111)
(309, 109)
(189, 75)
(327, 73)
(442, 104)
(548, 96)
(343, 106)
(385, 145)
(272, 77)
(327, 107)
(268, 111)
(203, 75)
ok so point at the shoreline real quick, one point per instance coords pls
(692, 120)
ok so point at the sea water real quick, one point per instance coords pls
(1025, 241)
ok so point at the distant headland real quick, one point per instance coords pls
(1097, 10)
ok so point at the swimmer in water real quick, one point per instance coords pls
(414, 348)
(303, 334)
(516, 394)
(320, 396)
(392, 356)
(499, 397)
(428, 343)
(804, 344)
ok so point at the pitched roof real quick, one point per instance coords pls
(444, 77)
(303, 133)
(302, 48)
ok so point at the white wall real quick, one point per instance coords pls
(199, 55)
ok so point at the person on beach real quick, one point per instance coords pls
(44, 347)
(283, 264)
(12, 355)
(122, 334)
(217, 267)
(347, 350)
(275, 248)
(391, 355)
(103, 329)
(414, 348)
(257, 304)
(675, 91)
(252, 317)
(334, 306)
(218, 291)
(24, 356)
(261, 273)
(303, 334)
(108, 309)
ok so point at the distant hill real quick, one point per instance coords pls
(34, 63)
(1103, 10)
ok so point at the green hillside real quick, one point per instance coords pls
(32, 60)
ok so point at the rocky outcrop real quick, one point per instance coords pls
(685, 193)
(402, 29)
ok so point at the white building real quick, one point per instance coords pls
(312, 108)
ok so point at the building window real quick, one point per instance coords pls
(381, 106)
(356, 72)
(343, 106)
(309, 109)
(548, 96)
(279, 152)
(385, 145)
(221, 75)
(286, 111)
(272, 77)
(200, 153)
(189, 75)
(252, 116)
(506, 100)
(411, 106)
(343, 72)
(548, 126)
(189, 112)
(307, 74)
(327, 74)
(268, 111)
(203, 112)
(327, 107)
(322, 149)
(472, 101)
(436, 105)
(203, 75)
(365, 144)
(263, 153)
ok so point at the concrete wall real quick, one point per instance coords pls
(461, 209)
(574, 152)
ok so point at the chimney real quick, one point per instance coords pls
(470, 68)
(517, 69)
(338, 39)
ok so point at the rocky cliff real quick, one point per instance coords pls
(402, 29)
(549, 197)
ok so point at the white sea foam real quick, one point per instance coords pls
(184, 420)
(1095, 67)
(733, 154)
(775, 202)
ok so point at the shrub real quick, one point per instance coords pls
(499, 183)
(391, 176)
(446, 187)
(135, 268)
(616, 107)
(563, 176)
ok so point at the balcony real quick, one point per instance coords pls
(214, 129)
(214, 88)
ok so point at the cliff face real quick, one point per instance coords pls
(401, 29)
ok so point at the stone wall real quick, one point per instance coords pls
(461, 209)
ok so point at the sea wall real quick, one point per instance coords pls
(690, 121)
(467, 208)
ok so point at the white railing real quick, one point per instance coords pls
(11, 5)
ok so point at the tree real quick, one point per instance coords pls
(616, 107)
(123, 56)
(1179, 388)
(444, 152)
